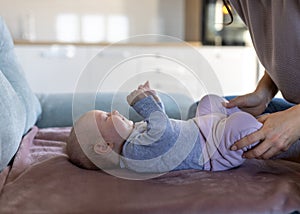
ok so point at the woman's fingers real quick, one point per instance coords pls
(248, 140)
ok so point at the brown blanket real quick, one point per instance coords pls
(42, 180)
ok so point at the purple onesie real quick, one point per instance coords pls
(220, 128)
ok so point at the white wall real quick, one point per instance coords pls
(144, 16)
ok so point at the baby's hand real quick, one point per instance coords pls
(135, 96)
(149, 91)
(140, 93)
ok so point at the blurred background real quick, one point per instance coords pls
(55, 39)
(110, 21)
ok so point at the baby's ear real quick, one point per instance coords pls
(103, 148)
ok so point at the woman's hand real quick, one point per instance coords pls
(256, 102)
(280, 130)
(252, 103)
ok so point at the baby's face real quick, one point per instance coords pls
(113, 127)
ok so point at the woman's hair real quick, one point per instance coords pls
(227, 5)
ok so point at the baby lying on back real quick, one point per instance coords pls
(108, 140)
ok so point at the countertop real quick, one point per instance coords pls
(25, 42)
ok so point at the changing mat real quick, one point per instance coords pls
(42, 180)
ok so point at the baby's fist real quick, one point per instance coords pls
(135, 96)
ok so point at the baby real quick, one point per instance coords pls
(159, 144)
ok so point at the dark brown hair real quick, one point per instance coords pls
(227, 5)
(76, 154)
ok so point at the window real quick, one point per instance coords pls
(92, 28)
(117, 28)
(67, 28)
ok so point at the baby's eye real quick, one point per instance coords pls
(109, 115)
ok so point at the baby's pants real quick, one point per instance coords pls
(221, 127)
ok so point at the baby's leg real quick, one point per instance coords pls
(232, 129)
(213, 104)
(239, 125)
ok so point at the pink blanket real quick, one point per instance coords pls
(42, 180)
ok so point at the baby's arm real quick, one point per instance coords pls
(157, 120)
(144, 152)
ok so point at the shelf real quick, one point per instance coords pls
(164, 44)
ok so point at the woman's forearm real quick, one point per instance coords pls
(266, 88)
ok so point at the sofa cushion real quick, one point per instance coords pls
(19, 107)
(12, 121)
(12, 70)
(57, 108)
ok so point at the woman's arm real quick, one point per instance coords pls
(279, 131)
(266, 88)
(256, 102)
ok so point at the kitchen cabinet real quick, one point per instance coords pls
(51, 69)
(237, 68)
(170, 68)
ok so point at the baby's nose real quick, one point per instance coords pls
(115, 112)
